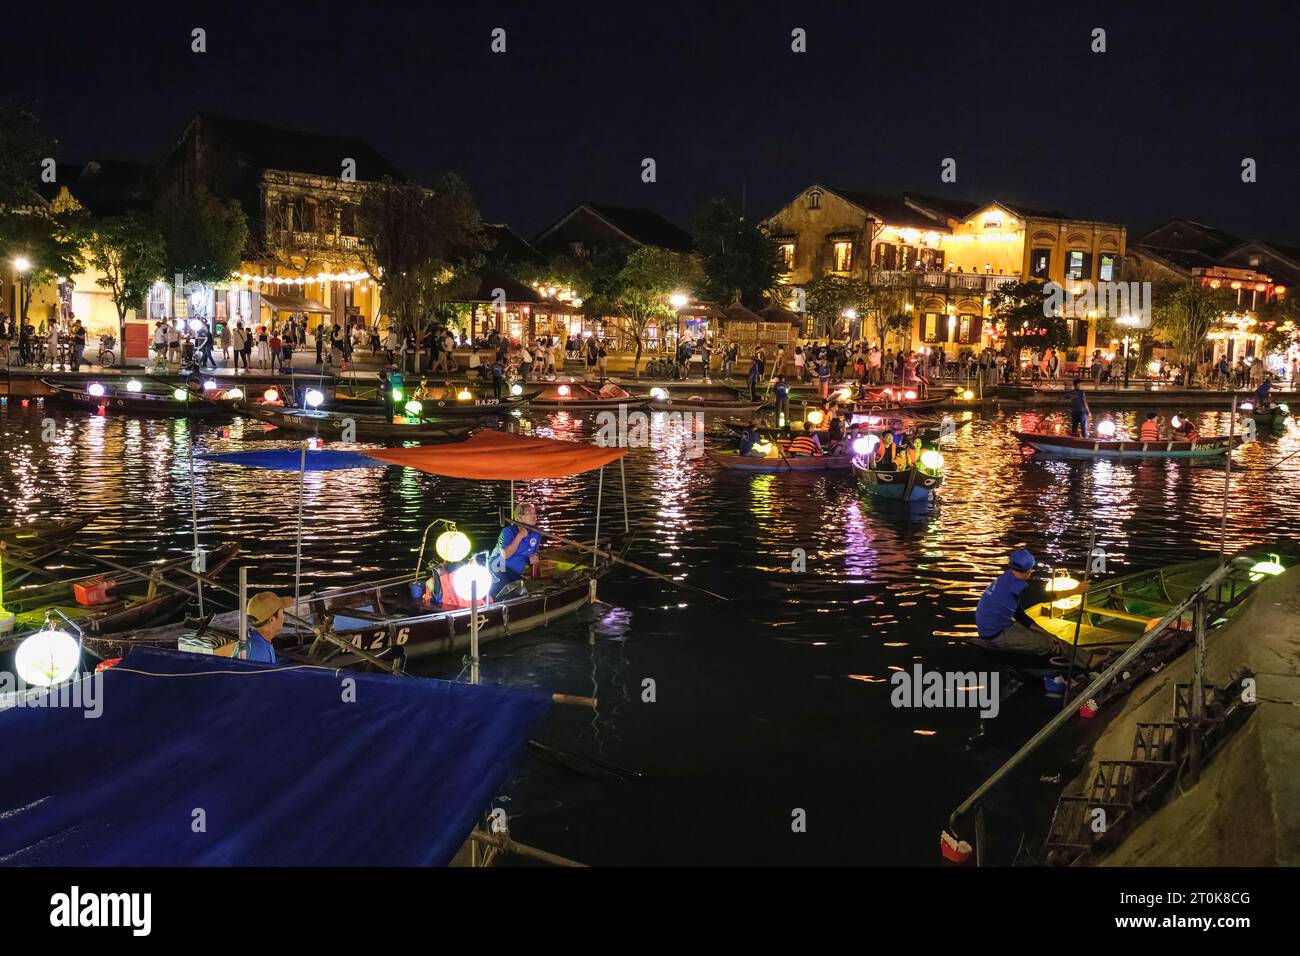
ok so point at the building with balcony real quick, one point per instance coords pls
(303, 254)
(944, 256)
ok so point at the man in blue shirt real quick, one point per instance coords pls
(265, 621)
(1000, 616)
(516, 549)
(1261, 394)
(782, 392)
(1079, 411)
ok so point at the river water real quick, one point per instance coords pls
(773, 702)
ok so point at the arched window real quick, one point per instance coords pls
(814, 199)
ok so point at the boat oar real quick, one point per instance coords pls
(615, 558)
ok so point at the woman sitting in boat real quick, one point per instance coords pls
(516, 550)
(835, 435)
(1186, 430)
(892, 455)
(1150, 430)
(806, 446)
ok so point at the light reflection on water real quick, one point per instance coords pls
(773, 700)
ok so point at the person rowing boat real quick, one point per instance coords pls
(265, 621)
(516, 550)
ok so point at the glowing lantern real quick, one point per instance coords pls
(516, 389)
(931, 459)
(47, 658)
(1061, 581)
(209, 386)
(1236, 285)
(271, 394)
(133, 386)
(968, 394)
(816, 417)
(413, 408)
(1068, 603)
(397, 394)
(564, 391)
(1247, 406)
(909, 395)
(452, 545)
(234, 393)
(96, 389)
(844, 394)
(658, 393)
(179, 394)
(865, 445)
(470, 577)
(1284, 408)
(763, 447)
(464, 395)
(313, 398)
(1270, 566)
(1106, 429)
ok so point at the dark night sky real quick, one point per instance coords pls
(1156, 127)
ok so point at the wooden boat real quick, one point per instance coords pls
(1074, 447)
(1117, 612)
(39, 537)
(133, 603)
(734, 461)
(1270, 415)
(437, 402)
(113, 398)
(910, 484)
(577, 395)
(330, 425)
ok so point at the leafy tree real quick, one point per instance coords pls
(1279, 324)
(48, 237)
(740, 262)
(1187, 316)
(203, 237)
(129, 251)
(828, 297)
(23, 144)
(420, 245)
(1030, 319)
(639, 293)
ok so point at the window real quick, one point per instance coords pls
(909, 260)
(787, 257)
(304, 215)
(814, 199)
(963, 329)
(1078, 264)
(886, 256)
(348, 219)
(842, 256)
(1078, 331)
(932, 259)
(934, 327)
(1106, 271)
(1040, 263)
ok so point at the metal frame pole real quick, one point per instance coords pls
(1227, 479)
(1197, 703)
(243, 610)
(297, 555)
(600, 493)
(622, 475)
(194, 519)
(473, 632)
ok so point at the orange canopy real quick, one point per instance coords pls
(501, 456)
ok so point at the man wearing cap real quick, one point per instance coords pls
(265, 621)
(516, 550)
(1000, 615)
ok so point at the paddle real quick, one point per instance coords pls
(615, 558)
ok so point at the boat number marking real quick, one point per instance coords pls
(378, 639)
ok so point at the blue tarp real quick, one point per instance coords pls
(290, 459)
(284, 770)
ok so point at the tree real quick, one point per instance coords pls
(23, 145)
(204, 237)
(639, 292)
(1029, 318)
(420, 244)
(129, 251)
(829, 297)
(1187, 317)
(1279, 324)
(738, 259)
(48, 237)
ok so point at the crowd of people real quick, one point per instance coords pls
(56, 345)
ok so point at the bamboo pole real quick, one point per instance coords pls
(507, 845)
(1227, 480)
(1083, 610)
(473, 632)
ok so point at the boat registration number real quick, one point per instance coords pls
(378, 640)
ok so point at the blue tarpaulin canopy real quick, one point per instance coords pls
(290, 459)
(285, 769)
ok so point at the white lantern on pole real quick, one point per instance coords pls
(47, 658)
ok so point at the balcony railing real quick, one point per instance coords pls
(942, 281)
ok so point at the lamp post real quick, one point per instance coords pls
(22, 267)
(679, 301)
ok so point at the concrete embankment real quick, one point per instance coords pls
(1245, 810)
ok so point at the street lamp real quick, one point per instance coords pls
(22, 265)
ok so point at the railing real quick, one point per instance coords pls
(975, 800)
(942, 281)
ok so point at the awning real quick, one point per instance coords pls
(295, 303)
(288, 770)
(501, 456)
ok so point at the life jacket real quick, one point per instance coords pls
(804, 445)
(440, 592)
(888, 454)
(1150, 431)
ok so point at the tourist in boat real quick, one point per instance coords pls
(887, 452)
(749, 437)
(805, 446)
(516, 550)
(1150, 430)
(1261, 395)
(1185, 429)
(265, 621)
(1079, 411)
(835, 435)
(1000, 617)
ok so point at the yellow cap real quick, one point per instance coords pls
(263, 605)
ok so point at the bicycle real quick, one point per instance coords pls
(105, 358)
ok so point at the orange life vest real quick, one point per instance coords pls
(1150, 431)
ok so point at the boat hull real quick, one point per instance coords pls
(734, 461)
(912, 484)
(366, 427)
(1073, 447)
(141, 403)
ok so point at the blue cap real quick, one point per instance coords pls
(1022, 560)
